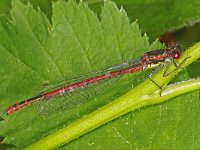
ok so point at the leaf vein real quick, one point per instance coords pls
(122, 137)
(177, 125)
(43, 47)
(158, 128)
(81, 45)
(28, 66)
(118, 50)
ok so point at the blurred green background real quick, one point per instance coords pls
(185, 36)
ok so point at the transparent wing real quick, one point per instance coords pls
(77, 97)
(60, 83)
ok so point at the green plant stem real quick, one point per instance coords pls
(193, 53)
(136, 98)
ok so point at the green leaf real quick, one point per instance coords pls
(33, 52)
(156, 16)
(134, 99)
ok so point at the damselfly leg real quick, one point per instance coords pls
(178, 66)
(165, 73)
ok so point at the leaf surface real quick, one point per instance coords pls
(34, 52)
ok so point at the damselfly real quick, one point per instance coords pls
(150, 59)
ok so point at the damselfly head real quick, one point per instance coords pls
(174, 46)
(175, 50)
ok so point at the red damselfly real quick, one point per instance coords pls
(150, 59)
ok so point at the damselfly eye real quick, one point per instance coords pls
(174, 46)
(177, 55)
